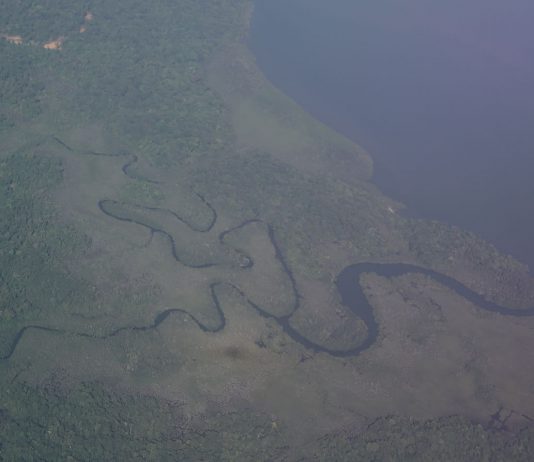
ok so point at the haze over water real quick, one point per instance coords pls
(440, 93)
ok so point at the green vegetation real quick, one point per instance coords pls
(302, 208)
(140, 192)
(42, 20)
(169, 82)
(92, 423)
(19, 87)
(265, 119)
(89, 422)
(138, 66)
(447, 439)
(34, 246)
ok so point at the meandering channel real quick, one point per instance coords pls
(347, 283)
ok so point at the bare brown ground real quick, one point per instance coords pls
(16, 39)
(55, 44)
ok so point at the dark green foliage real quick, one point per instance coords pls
(302, 208)
(86, 423)
(32, 245)
(42, 20)
(20, 88)
(441, 440)
(91, 422)
(138, 70)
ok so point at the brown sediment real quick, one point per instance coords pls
(16, 39)
(54, 44)
(87, 18)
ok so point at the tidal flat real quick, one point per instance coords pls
(172, 230)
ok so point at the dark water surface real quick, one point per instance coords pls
(440, 93)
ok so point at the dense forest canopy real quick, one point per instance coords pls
(162, 208)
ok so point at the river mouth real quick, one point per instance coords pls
(442, 96)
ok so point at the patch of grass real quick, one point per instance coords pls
(142, 192)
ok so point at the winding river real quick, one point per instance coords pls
(347, 282)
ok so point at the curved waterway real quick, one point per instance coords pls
(441, 93)
(347, 282)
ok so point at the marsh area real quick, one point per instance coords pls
(192, 267)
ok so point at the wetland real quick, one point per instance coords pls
(194, 268)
